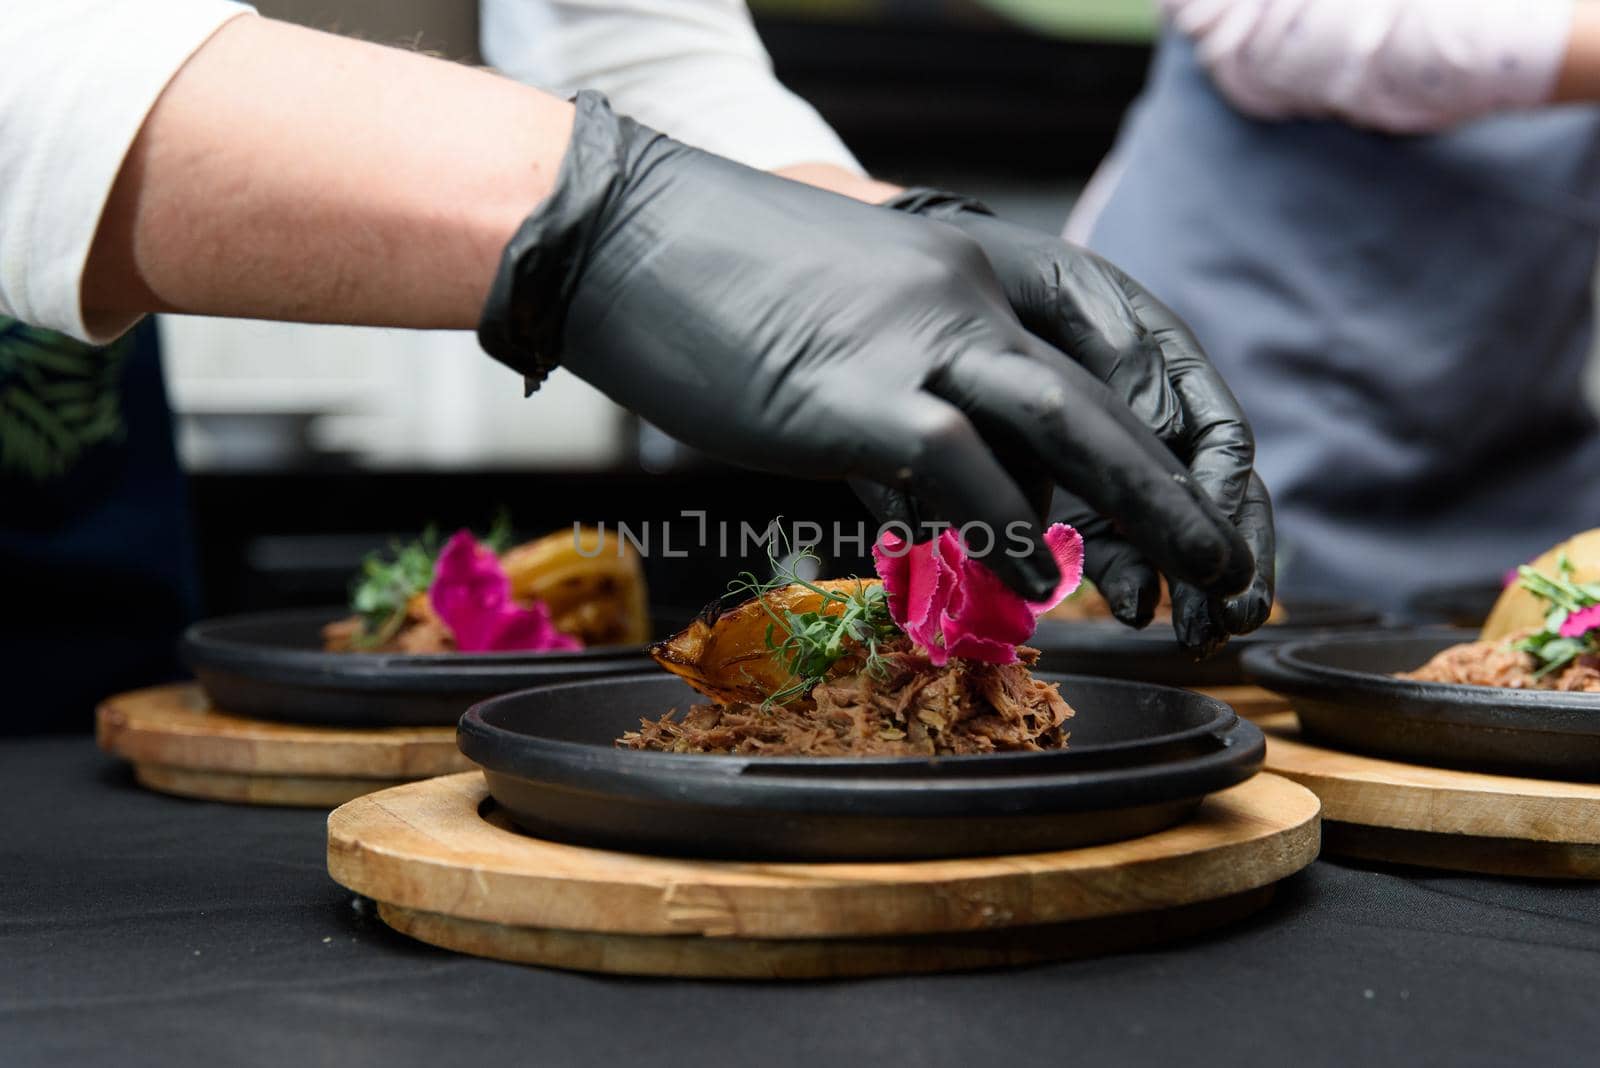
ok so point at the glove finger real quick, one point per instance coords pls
(1203, 623)
(1073, 300)
(1248, 610)
(1127, 581)
(1094, 447)
(887, 504)
(891, 504)
(1197, 620)
(1090, 319)
(1161, 368)
(930, 448)
(1215, 440)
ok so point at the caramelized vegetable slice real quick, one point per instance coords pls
(729, 658)
(592, 581)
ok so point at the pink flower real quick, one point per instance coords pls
(1581, 622)
(952, 605)
(472, 596)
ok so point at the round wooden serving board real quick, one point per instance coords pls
(178, 744)
(1379, 809)
(445, 867)
(1250, 702)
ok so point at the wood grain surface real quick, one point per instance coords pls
(295, 791)
(1383, 809)
(693, 956)
(174, 726)
(179, 745)
(426, 847)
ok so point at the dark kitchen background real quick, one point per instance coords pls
(309, 446)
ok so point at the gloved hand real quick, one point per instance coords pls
(792, 330)
(1109, 323)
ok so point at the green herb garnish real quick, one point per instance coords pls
(816, 641)
(1555, 645)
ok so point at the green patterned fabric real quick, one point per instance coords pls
(58, 399)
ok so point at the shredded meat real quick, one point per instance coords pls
(1496, 663)
(917, 709)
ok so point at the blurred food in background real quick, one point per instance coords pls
(570, 589)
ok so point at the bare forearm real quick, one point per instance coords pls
(1579, 79)
(290, 174)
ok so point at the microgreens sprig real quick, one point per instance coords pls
(1548, 646)
(844, 624)
(385, 585)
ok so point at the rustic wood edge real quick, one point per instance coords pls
(288, 791)
(695, 956)
(1461, 852)
(171, 725)
(1371, 791)
(412, 848)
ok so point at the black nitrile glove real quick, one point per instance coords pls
(1087, 308)
(792, 330)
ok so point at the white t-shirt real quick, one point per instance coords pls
(77, 78)
(693, 69)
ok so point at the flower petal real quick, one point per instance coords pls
(468, 590)
(919, 583)
(1066, 545)
(953, 605)
(1581, 622)
(990, 651)
(518, 628)
(891, 558)
(982, 607)
(471, 595)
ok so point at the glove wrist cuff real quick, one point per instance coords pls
(525, 315)
(936, 203)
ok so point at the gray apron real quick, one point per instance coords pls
(1405, 320)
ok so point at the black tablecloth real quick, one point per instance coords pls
(140, 929)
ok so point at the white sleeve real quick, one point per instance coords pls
(1406, 66)
(77, 78)
(693, 69)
